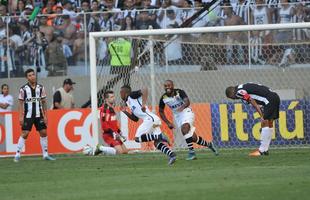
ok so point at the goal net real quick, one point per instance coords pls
(203, 62)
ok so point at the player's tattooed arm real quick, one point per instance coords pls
(44, 108)
(256, 106)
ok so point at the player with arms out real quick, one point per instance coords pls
(259, 96)
(149, 130)
(112, 135)
(178, 101)
(32, 111)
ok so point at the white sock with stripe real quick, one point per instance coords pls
(43, 142)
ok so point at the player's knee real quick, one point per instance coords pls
(194, 137)
(185, 128)
(156, 142)
(24, 135)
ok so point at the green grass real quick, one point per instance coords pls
(285, 174)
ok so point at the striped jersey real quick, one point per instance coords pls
(173, 102)
(32, 98)
(260, 93)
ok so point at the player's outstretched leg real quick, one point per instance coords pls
(166, 150)
(105, 150)
(199, 140)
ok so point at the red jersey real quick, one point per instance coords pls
(108, 119)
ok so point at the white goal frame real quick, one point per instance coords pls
(152, 32)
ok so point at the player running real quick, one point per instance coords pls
(149, 130)
(111, 135)
(178, 101)
(259, 96)
(32, 111)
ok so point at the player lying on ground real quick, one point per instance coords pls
(179, 103)
(111, 134)
(259, 95)
(149, 130)
(32, 111)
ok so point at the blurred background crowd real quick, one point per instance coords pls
(52, 34)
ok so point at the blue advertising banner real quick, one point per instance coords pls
(238, 125)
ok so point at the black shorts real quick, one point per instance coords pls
(272, 109)
(38, 122)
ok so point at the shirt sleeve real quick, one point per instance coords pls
(161, 103)
(136, 94)
(57, 97)
(21, 95)
(242, 94)
(183, 94)
(43, 93)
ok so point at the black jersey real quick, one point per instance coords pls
(32, 98)
(260, 93)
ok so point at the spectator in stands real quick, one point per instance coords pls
(234, 39)
(173, 49)
(68, 29)
(242, 10)
(285, 13)
(63, 97)
(26, 39)
(110, 6)
(300, 16)
(20, 7)
(16, 49)
(79, 49)
(6, 100)
(38, 46)
(4, 15)
(56, 60)
(95, 6)
(85, 6)
(68, 9)
(128, 23)
(27, 12)
(45, 28)
(144, 21)
(129, 9)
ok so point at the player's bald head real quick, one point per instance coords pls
(169, 81)
(230, 92)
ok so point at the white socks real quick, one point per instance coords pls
(43, 142)
(266, 136)
(20, 145)
(107, 150)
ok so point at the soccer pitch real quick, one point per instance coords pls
(284, 174)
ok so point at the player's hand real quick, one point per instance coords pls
(171, 125)
(143, 108)
(21, 120)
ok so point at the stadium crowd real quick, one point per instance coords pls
(51, 34)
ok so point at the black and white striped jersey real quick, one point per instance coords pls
(32, 98)
(173, 102)
(260, 93)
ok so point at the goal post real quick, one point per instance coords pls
(149, 45)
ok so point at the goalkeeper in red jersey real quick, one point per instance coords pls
(111, 134)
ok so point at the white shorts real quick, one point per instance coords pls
(186, 116)
(150, 124)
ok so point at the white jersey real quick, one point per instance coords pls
(260, 15)
(8, 99)
(173, 102)
(285, 14)
(134, 102)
